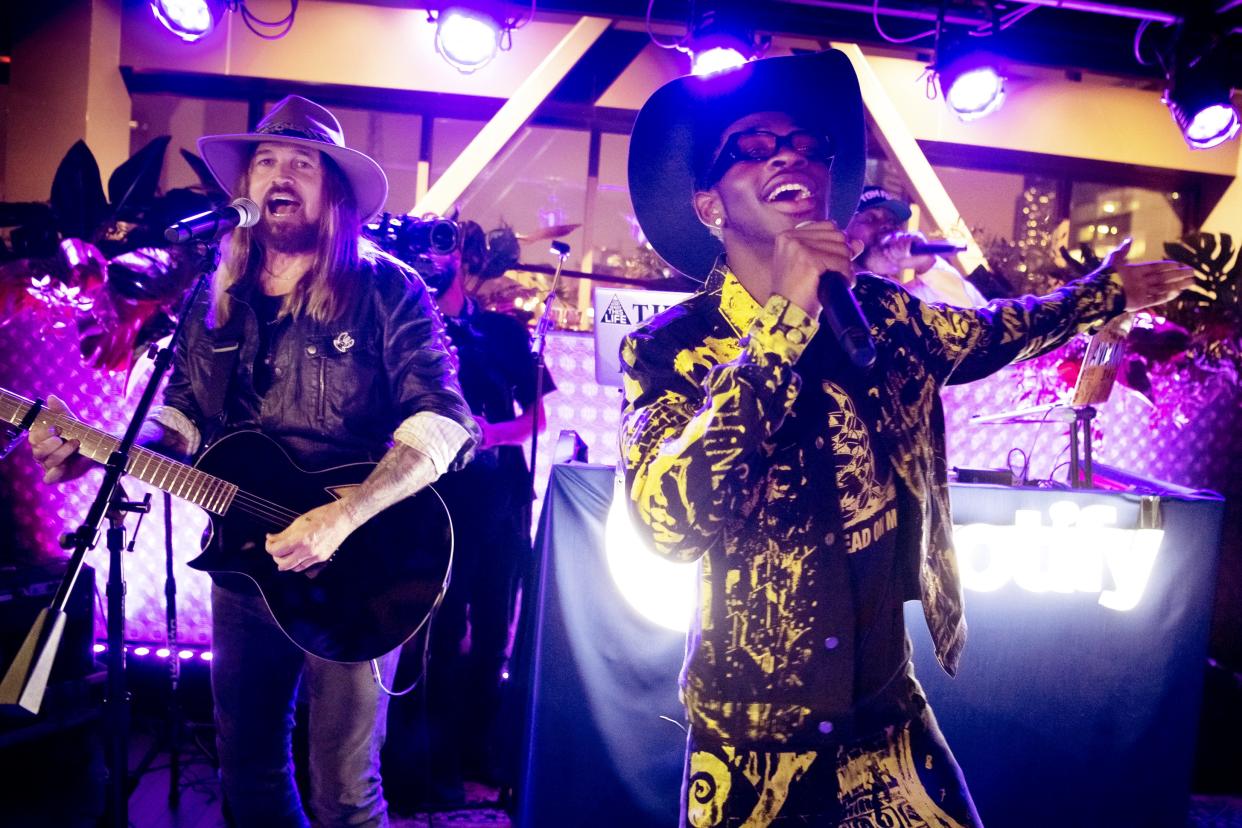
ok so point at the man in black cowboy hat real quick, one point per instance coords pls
(812, 493)
(879, 224)
(334, 350)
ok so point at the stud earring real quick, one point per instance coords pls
(719, 222)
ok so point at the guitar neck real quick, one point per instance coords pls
(186, 482)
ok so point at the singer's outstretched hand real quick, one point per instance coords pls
(891, 255)
(805, 252)
(1148, 284)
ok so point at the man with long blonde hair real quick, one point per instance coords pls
(335, 351)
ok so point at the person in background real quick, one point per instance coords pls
(880, 224)
(490, 501)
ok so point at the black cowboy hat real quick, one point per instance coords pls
(680, 125)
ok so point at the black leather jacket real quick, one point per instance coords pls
(338, 390)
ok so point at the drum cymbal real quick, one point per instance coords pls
(545, 233)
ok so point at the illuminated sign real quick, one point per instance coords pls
(1080, 550)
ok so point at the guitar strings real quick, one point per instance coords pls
(266, 510)
(273, 513)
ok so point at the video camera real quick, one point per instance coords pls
(412, 239)
(416, 241)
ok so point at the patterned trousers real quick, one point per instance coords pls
(902, 775)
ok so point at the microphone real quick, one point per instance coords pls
(934, 248)
(211, 225)
(845, 319)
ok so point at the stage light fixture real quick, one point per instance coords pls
(720, 41)
(468, 38)
(189, 20)
(971, 83)
(715, 60)
(1200, 101)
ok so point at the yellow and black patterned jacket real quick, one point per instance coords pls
(708, 385)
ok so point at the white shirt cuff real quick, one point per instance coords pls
(173, 420)
(434, 435)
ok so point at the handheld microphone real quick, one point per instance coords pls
(934, 248)
(211, 225)
(845, 319)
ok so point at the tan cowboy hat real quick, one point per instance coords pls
(302, 122)
(678, 128)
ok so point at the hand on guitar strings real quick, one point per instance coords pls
(312, 539)
(58, 457)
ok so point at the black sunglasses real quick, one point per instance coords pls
(760, 145)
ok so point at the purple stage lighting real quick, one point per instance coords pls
(189, 20)
(467, 39)
(1212, 125)
(1206, 125)
(974, 93)
(1200, 100)
(721, 40)
(715, 60)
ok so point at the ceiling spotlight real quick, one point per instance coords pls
(1199, 99)
(470, 32)
(468, 39)
(189, 20)
(720, 41)
(971, 84)
(715, 60)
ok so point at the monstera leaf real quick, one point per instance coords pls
(78, 199)
(103, 268)
(133, 185)
(1088, 263)
(1218, 280)
(207, 181)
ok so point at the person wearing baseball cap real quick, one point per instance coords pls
(809, 485)
(335, 351)
(880, 224)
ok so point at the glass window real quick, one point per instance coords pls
(987, 201)
(1101, 215)
(535, 185)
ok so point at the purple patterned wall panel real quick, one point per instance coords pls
(33, 364)
(1199, 454)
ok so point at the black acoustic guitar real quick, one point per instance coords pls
(369, 599)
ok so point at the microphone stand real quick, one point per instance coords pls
(561, 251)
(26, 680)
(520, 677)
(175, 724)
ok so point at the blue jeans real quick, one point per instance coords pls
(254, 683)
